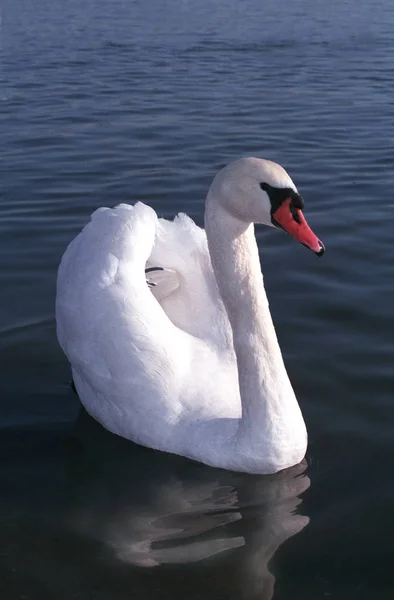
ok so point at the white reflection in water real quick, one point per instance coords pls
(153, 509)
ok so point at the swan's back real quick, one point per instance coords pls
(195, 305)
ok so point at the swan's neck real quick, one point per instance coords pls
(268, 401)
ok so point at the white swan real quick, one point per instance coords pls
(188, 363)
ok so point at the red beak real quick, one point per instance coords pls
(293, 221)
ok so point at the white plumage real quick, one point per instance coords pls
(158, 365)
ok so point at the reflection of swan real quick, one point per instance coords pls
(192, 367)
(154, 509)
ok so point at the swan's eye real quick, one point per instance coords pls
(264, 186)
(294, 213)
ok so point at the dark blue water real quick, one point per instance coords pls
(124, 100)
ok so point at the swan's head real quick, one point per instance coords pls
(254, 190)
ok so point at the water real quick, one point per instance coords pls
(103, 102)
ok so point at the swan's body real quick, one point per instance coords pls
(192, 365)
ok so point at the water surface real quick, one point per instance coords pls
(106, 102)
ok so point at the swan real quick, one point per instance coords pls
(168, 330)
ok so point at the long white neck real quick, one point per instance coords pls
(271, 417)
